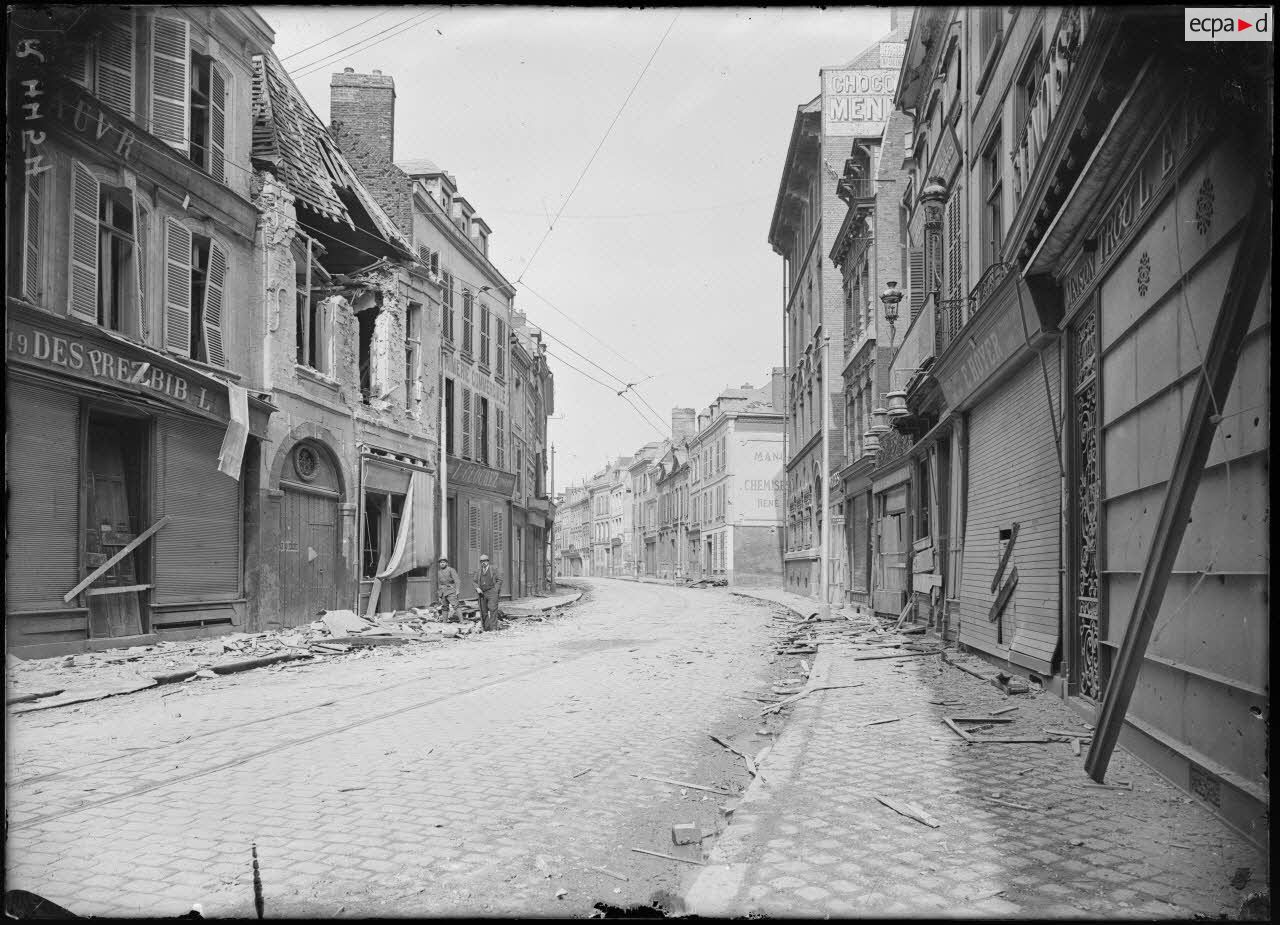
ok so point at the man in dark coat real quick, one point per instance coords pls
(488, 587)
(447, 590)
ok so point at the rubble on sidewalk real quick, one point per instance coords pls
(46, 682)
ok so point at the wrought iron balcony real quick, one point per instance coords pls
(949, 316)
(853, 189)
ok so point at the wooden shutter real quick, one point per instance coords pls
(473, 526)
(171, 81)
(77, 64)
(916, 283)
(116, 66)
(501, 440)
(466, 423)
(213, 301)
(177, 288)
(197, 554)
(32, 223)
(496, 548)
(84, 244)
(217, 124)
(955, 286)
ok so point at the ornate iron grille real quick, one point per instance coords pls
(1084, 356)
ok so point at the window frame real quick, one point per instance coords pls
(992, 166)
(468, 321)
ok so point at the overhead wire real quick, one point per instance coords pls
(592, 159)
(587, 375)
(330, 38)
(552, 306)
(307, 70)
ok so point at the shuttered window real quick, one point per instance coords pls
(484, 335)
(496, 538)
(217, 124)
(446, 297)
(197, 554)
(116, 66)
(177, 288)
(500, 344)
(473, 525)
(915, 265)
(466, 320)
(43, 474)
(32, 226)
(466, 423)
(955, 262)
(171, 81)
(501, 437)
(211, 318)
(84, 245)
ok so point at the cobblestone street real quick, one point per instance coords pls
(1021, 833)
(474, 777)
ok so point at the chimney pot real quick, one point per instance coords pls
(348, 70)
(378, 72)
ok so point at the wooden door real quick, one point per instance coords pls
(112, 522)
(308, 555)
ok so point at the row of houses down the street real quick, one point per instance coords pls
(702, 503)
(1036, 284)
(226, 348)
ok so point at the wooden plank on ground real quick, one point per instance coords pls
(681, 783)
(910, 810)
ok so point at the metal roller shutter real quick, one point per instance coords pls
(44, 493)
(198, 553)
(1014, 477)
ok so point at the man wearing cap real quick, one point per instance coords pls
(447, 589)
(488, 586)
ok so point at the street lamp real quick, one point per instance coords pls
(890, 298)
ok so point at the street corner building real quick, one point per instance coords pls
(1056, 340)
(135, 409)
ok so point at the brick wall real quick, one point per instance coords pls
(362, 120)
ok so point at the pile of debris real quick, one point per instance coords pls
(48, 682)
(708, 583)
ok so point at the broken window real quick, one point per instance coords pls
(382, 512)
(207, 117)
(118, 298)
(367, 318)
(314, 337)
(412, 353)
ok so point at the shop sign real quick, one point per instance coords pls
(115, 365)
(857, 101)
(473, 475)
(477, 382)
(984, 357)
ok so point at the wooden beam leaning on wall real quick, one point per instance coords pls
(124, 551)
(1244, 286)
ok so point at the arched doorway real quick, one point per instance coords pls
(309, 532)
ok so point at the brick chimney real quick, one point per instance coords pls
(684, 424)
(779, 389)
(362, 117)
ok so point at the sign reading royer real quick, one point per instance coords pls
(857, 100)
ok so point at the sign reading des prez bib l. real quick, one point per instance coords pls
(116, 365)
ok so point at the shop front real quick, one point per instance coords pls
(398, 501)
(116, 491)
(1004, 377)
(479, 520)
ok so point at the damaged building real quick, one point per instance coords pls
(346, 477)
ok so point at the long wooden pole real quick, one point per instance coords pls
(1241, 295)
(102, 569)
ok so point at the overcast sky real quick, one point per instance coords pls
(662, 253)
